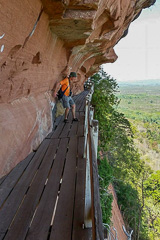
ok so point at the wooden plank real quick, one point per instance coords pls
(78, 106)
(79, 102)
(21, 223)
(54, 110)
(69, 179)
(49, 135)
(41, 223)
(57, 121)
(74, 127)
(78, 220)
(81, 126)
(62, 225)
(77, 97)
(67, 126)
(55, 124)
(58, 130)
(82, 96)
(12, 178)
(70, 117)
(66, 130)
(2, 179)
(12, 203)
(82, 107)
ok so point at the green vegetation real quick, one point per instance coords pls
(106, 175)
(141, 105)
(134, 181)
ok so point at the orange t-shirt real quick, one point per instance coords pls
(64, 83)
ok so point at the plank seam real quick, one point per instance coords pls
(16, 183)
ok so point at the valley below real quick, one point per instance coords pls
(141, 105)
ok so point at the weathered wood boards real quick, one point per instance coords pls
(19, 192)
(42, 198)
(99, 230)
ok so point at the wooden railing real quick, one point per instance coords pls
(93, 214)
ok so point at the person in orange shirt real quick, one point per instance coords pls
(67, 99)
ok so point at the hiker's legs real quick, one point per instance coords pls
(66, 113)
(66, 105)
(73, 106)
(74, 110)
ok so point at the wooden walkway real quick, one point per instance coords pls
(42, 198)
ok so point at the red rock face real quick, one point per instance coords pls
(40, 42)
(117, 219)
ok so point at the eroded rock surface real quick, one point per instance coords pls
(117, 219)
(40, 42)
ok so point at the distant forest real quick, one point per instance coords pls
(151, 82)
(141, 105)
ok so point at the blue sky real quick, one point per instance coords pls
(139, 52)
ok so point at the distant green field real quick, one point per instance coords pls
(140, 102)
(141, 105)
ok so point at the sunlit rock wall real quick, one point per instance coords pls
(40, 42)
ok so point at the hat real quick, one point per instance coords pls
(73, 74)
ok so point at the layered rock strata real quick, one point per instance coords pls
(40, 42)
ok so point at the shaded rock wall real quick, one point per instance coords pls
(30, 64)
(40, 42)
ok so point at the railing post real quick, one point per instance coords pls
(94, 128)
(95, 134)
(88, 201)
(86, 127)
(92, 214)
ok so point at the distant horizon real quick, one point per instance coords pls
(140, 82)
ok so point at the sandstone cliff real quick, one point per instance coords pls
(40, 41)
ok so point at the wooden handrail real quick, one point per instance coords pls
(93, 214)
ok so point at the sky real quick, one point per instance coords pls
(139, 52)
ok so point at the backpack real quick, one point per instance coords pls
(60, 93)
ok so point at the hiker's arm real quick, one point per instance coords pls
(56, 89)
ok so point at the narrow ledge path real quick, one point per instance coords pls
(42, 198)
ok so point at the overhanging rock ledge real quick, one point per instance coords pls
(41, 41)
